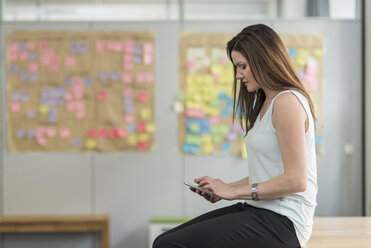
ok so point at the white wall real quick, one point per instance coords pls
(133, 187)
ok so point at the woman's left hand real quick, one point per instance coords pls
(216, 186)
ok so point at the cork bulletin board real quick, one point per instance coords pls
(80, 91)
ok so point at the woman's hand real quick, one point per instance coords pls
(211, 199)
(215, 186)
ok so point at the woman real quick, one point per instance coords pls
(280, 191)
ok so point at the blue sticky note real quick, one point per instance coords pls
(31, 133)
(222, 96)
(129, 109)
(229, 103)
(190, 148)
(203, 123)
(88, 82)
(34, 77)
(103, 76)
(77, 142)
(115, 75)
(16, 96)
(137, 59)
(20, 133)
(137, 48)
(224, 113)
(292, 52)
(52, 115)
(226, 146)
(32, 55)
(23, 76)
(318, 139)
(31, 113)
(68, 82)
(131, 128)
(128, 100)
(25, 97)
(13, 69)
(83, 48)
(22, 46)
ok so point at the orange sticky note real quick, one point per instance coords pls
(121, 132)
(102, 95)
(92, 133)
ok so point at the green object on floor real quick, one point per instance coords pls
(170, 219)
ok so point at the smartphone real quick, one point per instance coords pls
(198, 188)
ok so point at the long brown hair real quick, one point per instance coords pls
(271, 67)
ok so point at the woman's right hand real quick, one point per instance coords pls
(206, 196)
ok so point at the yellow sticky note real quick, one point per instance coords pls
(90, 143)
(143, 137)
(207, 139)
(194, 127)
(207, 149)
(150, 128)
(132, 139)
(217, 138)
(243, 151)
(44, 109)
(318, 53)
(145, 113)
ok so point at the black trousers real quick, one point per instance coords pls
(239, 225)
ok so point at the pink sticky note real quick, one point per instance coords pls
(140, 77)
(214, 119)
(102, 132)
(13, 47)
(92, 133)
(69, 61)
(117, 46)
(147, 59)
(41, 140)
(128, 65)
(141, 127)
(70, 106)
(33, 67)
(45, 59)
(43, 45)
(15, 106)
(53, 67)
(102, 95)
(129, 46)
(126, 77)
(129, 118)
(148, 48)
(40, 131)
(31, 46)
(99, 46)
(51, 132)
(64, 132)
(80, 114)
(110, 45)
(80, 105)
(149, 77)
(127, 92)
(112, 134)
(194, 113)
(23, 55)
(121, 132)
(223, 60)
(190, 64)
(67, 96)
(142, 145)
(142, 96)
(77, 88)
(13, 56)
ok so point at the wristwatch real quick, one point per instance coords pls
(254, 191)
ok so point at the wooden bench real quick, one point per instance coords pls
(341, 232)
(85, 223)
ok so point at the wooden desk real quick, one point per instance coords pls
(85, 223)
(341, 232)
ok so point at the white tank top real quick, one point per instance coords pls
(265, 162)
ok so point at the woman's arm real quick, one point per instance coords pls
(244, 181)
(290, 121)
